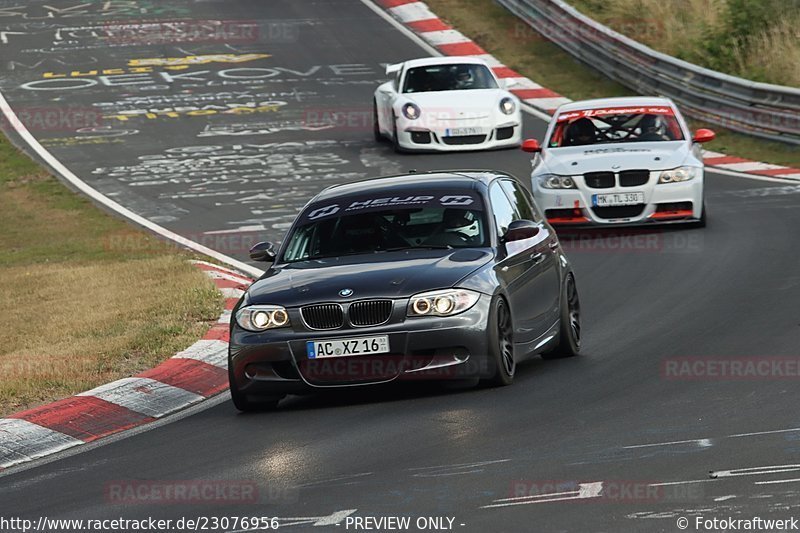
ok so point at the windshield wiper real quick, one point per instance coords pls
(327, 256)
(418, 247)
(396, 249)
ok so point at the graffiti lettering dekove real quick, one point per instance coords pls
(144, 77)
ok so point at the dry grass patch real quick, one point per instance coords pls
(666, 25)
(754, 39)
(80, 310)
(762, 61)
(69, 328)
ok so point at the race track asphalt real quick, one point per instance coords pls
(617, 415)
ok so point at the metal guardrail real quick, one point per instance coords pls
(761, 109)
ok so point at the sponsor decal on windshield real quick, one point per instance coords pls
(381, 202)
(614, 150)
(641, 110)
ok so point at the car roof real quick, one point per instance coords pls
(453, 60)
(419, 181)
(616, 102)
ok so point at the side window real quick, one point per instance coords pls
(504, 212)
(524, 209)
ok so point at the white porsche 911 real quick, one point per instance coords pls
(619, 161)
(446, 104)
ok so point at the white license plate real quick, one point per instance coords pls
(461, 132)
(615, 199)
(347, 347)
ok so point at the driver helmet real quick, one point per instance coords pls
(463, 76)
(582, 130)
(649, 123)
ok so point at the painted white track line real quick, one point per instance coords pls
(100, 198)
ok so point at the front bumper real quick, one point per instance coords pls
(432, 348)
(412, 136)
(664, 203)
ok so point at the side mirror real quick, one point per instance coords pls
(531, 145)
(520, 230)
(704, 136)
(263, 251)
(509, 82)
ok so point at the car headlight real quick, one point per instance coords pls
(446, 302)
(262, 317)
(554, 181)
(411, 111)
(507, 105)
(679, 174)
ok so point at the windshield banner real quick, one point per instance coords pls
(380, 201)
(641, 110)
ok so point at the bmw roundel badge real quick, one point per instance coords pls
(344, 293)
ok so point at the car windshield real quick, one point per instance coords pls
(459, 77)
(617, 125)
(424, 221)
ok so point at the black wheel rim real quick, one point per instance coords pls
(574, 309)
(505, 339)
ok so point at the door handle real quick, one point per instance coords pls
(553, 245)
(537, 258)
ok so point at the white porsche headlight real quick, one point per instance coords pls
(447, 302)
(679, 174)
(411, 111)
(262, 317)
(554, 181)
(507, 105)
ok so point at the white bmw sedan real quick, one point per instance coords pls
(619, 161)
(446, 104)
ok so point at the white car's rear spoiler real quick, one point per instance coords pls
(391, 70)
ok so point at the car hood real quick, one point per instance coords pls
(623, 156)
(384, 275)
(482, 101)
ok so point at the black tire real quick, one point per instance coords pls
(501, 345)
(395, 142)
(376, 129)
(246, 404)
(569, 333)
